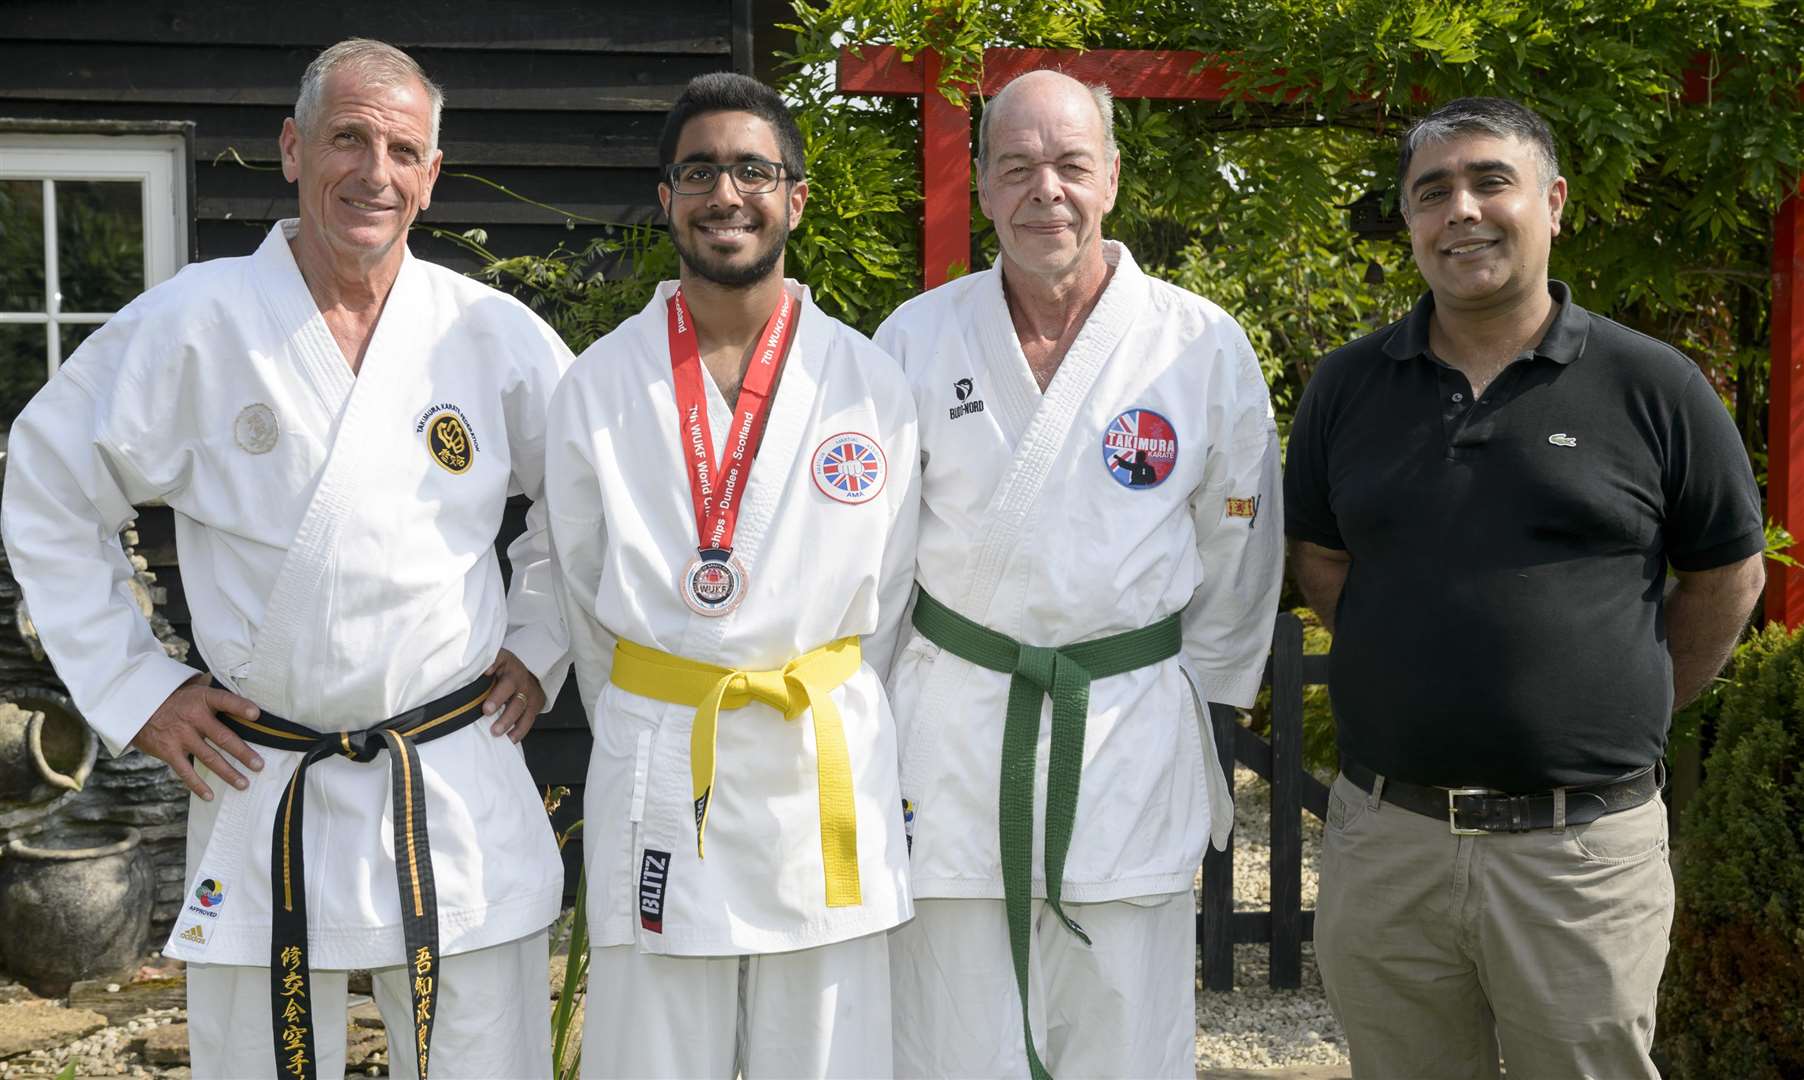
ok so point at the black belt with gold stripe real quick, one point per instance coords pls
(291, 995)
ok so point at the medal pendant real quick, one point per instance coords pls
(713, 583)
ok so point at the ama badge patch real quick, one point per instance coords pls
(1140, 448)
(850, 468)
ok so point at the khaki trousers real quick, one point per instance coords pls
(1439, 951)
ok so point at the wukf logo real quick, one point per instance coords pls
(850, 468)
(1140, 448)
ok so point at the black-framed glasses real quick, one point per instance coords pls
(752, 176)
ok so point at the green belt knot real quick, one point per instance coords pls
(1036, 672)
(1039, 665)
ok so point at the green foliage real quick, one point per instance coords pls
(1668, 227)
(566, 1052)
(1732, 1003)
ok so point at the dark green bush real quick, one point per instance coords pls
(1732, 1004)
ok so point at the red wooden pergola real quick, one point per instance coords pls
(1190, 76)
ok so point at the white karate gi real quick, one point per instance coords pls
(337, 572)
(1034, 525)
(819, 568)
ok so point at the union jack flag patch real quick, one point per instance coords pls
(850, 468)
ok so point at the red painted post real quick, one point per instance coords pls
(946, 181)
(1785, 421)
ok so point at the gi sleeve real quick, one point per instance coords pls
(536, 632)
(68, 493)
(1713, 515)
(896, 584)
(1237, 515)
(579, 534)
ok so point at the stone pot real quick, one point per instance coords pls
(74, 904)
(45, 747)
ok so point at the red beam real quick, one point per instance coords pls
(1128, 73)
(1785, 421)
(879, 69)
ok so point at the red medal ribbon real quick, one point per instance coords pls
(715, 486)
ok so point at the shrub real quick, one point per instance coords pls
(1733, 1000)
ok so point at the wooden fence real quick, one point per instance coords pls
(1285, 925)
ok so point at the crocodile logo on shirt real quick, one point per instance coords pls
(1560, 438)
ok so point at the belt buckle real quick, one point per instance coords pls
(1453, 811)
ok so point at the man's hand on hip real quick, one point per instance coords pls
(515, 700)
(186, 728)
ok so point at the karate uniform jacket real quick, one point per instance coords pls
(336, 536)
(821, 564)
(1143, 482)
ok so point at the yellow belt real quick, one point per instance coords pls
(805, 683)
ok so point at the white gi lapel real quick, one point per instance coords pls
(1004, 365)
(1018, 494)
(297, 594)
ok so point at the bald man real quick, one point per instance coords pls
(1100, 553)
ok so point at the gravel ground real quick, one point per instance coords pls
(1254, 1026)
(107, 1052)
(1251, 1027)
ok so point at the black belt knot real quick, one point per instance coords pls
(291, 1005)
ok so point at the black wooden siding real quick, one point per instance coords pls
(560, 102)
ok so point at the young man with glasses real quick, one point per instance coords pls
(733, 480)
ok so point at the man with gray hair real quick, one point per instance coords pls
(1099, 527)
(1484, 500)
(337, 427)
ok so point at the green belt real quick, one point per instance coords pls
(1036, 672)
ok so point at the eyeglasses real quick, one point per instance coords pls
(750, 177)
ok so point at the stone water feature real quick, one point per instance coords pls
(58, 795)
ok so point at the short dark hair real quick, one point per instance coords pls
(727, 91)
(1500, 117)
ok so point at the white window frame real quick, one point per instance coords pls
(157, 162)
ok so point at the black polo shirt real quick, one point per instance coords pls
(1502, 623)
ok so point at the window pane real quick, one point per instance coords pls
(21, 245)
(99, 243)
(76, 333)
(24, 360)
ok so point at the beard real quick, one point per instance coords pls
(718, 271)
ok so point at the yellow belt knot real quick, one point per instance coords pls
(804, 684)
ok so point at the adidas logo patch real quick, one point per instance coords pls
(194, 934)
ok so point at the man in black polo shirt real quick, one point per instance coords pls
(1484, 500)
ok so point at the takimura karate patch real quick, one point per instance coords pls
(850, 468)
(1140, 448)
(450, 439)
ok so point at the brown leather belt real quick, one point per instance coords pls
(1470, 811)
